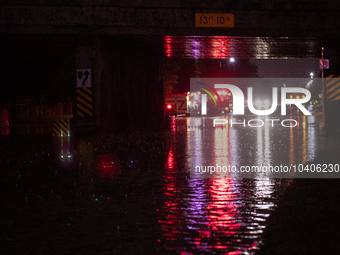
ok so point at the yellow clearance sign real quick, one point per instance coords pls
(214, 20)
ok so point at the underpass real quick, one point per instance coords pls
(124, 46)
(82, 67)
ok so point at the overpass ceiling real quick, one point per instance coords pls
(221, 47)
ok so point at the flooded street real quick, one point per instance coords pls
(169, 127)
(132, 194)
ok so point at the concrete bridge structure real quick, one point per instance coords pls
(123, 44)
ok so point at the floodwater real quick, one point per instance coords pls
(132, 194)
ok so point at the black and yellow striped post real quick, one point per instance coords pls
(332, 96)
(332, 88)
(61, 127)
(84, 102)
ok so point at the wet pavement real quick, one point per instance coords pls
(306, 220)
(132, 194)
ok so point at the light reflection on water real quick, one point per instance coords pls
(228, 215)
(271, 144)
(134, 194)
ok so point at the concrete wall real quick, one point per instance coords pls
(252, 18)
(129, 90)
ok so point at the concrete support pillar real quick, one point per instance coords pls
(85, 103)
(96, 78)
(83, 57)
(332, 52)
(332, 93)
(129, 89)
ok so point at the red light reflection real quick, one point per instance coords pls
(170, 162)
(108, 166)
(4, 118)
(168, 46)
(4, 123)
(4, 130)
(222, 212)
(218, 47)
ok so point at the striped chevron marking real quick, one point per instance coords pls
(84, 102)
(61, 128)
(333, 87)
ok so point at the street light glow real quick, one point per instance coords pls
(232, 60)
